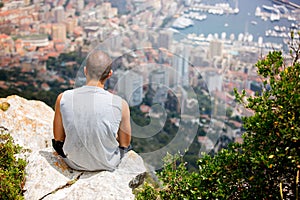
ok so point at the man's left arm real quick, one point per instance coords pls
(124, 132)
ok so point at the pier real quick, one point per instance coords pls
(287, 3)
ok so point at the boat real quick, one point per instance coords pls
(236, 11)
(257, 11)
(282, 8)
(270, 8)
(293, 26)
(182, 22)
(253, 22)
(290, 18)
(216, 11)
(201, 17)
(274, 17)
(195, 15)
(264, 17)
(279, 28)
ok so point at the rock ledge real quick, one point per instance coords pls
(48, 177)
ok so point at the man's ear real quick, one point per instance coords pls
(85, 71)
(110, 73)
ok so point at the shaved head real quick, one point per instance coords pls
(98, 65)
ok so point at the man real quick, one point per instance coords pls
(92, 126)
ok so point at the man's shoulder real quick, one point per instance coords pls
(66, 93)
(116, 98)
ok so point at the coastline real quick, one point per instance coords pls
(245, 22)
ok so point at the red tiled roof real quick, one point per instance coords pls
(53, 54)
(235, 123)
(3, 85)
(4, 36)
(69, 6)
(144, 108)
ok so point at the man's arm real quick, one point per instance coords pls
(124, 133)
(58, 129)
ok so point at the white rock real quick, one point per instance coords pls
(47, 176)
(47, 173)
(28, 121)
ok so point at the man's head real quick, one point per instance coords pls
(98, 66)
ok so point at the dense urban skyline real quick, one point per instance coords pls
(34, 32)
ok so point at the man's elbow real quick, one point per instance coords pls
(124, 140)
(126, 143)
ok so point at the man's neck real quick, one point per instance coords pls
(95, 83)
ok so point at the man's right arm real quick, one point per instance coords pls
(58, 129)
(124, 133)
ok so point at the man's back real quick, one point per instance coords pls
(91, 117)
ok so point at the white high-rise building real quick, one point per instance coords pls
(59, 32)
(59, 14)
(215, 49)
(115, 41)
(159, 78)
(79, 5)
(165, 39)
(181, 65)
(213, 81)
(130, 87)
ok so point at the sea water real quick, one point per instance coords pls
(243, 22)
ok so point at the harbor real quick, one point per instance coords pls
(262, 20)
(275, 13)
(289, 4)
(218, 8)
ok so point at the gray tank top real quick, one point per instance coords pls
(91, 117)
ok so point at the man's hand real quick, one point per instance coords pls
(124, 150)
(58, 145)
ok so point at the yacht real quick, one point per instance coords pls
(253, 22)
(274, 17)
(182, 22)
(291, 18)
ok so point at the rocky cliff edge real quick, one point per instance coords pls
(47, 176)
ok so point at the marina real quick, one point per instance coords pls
(274, 13)
(217, 9)
(264, 20)
(195, 15)
(288, 4)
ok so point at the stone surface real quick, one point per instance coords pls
(28, 121)
(48, 177)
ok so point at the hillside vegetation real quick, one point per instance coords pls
(267, 164)
(12, 169)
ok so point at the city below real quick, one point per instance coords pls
(46, 41)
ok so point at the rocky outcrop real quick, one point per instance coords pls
(29, 122)
(47, 176)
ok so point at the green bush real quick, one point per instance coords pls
(267, 164)
(12, 174)
(147, 191)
